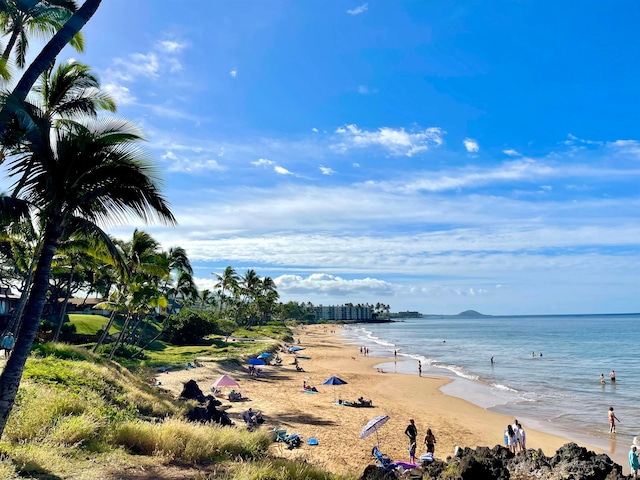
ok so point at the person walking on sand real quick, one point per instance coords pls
(8, 342)
(412, 433)
(430, 441)
(612, 420)
(633, 461)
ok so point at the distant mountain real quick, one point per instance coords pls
(471, 313)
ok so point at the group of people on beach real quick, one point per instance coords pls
(515, 438)
(412, 433)
(612, 377)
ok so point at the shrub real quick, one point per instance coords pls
(189, 327)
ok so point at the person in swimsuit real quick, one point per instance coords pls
(612, 420)
(612, 375)
(602, 378)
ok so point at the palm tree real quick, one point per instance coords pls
(21, 19)
(79, 176)
(227, 282)
(15, 102)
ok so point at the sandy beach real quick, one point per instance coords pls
(278, 395)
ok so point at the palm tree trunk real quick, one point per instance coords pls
(12, 373)
(112, 317)
(11, 43)
(120, 337)
(63, 308)
(45, 58)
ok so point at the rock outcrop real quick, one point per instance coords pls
(570, 462)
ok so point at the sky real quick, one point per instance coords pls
(431, 155)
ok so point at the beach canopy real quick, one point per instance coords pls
(265, 355)
(256, 361)
(373, 425)
(225, 381)
(334, 381)
(296, 349)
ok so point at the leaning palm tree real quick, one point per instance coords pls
(15, 101)
(227, 282)
(78, 176)
(22, 19)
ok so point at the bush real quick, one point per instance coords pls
(189, 327)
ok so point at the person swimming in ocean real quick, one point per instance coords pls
(602, 378)
(612, 375)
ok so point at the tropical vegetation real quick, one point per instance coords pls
(75, 169)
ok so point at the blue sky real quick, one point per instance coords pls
(436, 156)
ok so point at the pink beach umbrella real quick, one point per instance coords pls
(225, 381)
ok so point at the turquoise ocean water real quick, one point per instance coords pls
(557, 391)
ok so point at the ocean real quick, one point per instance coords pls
(557, 391)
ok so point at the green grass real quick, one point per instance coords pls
(90, 324)
(79, 416)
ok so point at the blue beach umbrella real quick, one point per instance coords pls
(296, 349)
(256, 361)
(334, 381)
(265, 355)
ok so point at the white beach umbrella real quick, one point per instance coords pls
(373, 425)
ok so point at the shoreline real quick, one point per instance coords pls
(460, 387)
(454, 421)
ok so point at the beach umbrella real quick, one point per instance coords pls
(265, 355)
(334, 381)
(373, 425)
(296, 349)
(256, 361)
(225, 381)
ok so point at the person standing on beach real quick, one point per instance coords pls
(419, 368)
(412, 432)
(633, 461)
(516, 433)
(430, 441)
(612, 420)
(523, 437)
(511, 439)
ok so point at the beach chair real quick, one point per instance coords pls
(382, 460)
(292, 441)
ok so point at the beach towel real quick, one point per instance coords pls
(312, 441)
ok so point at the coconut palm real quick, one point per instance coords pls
(227, 282)
(14, 104)
(21, 19)
(79, 176)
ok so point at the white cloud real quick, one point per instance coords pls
(356, 165)
(171, 46)
(471, 145)
(234, 72)
(263, 162)
(332, 285)
(358, 10)
(326, 170)
(194, 166)
(221, 152)
(518, 170)
(396, 141)
(281, 170)
(363, 89)
(314, 130)
(121, 94)
(169, 156)
(511, 152)
(134, 66)
(631, 147)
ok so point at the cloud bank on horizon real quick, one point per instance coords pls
(432, 158)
